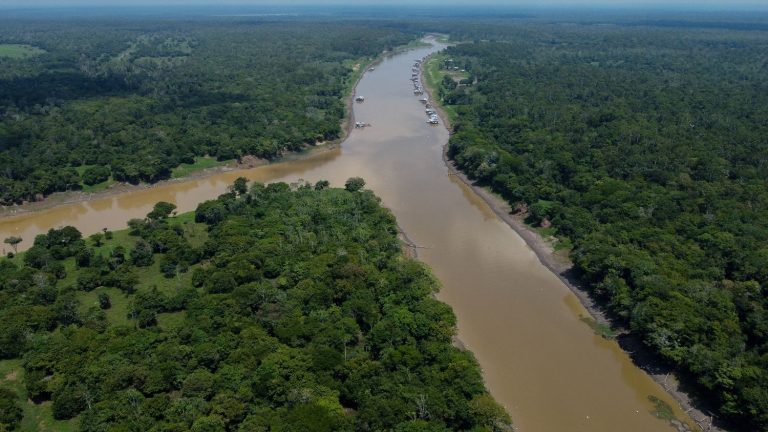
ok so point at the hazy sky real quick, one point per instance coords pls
(654, 4)
(631, 3)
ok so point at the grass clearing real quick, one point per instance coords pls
(151, 276)
(433, 76)
(37, 417)
(416, 43)
(96, 187)
(20, 51)
(603, 330)
(358, 67)
(117, 314)
(200, 164)
(171, 320)
(662, 409)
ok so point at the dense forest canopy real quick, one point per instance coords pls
(132, 100)
(646, 149)
(275, 309)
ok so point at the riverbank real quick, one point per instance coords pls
(71, 197)
(347, 124)
(561, 266)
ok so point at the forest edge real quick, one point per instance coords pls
(561, 266)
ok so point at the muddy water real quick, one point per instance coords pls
(546, 366)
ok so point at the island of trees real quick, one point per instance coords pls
(271, 308)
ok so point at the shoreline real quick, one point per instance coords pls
(57, 199)
(561, 266)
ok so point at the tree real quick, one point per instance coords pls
(211, 423)
(354, 184)
(104, 301)
(240, 186)
(161, 210)
(68, 401)
(96, 174)
(13, 241)
(10, 411)
(210, 212)
(487, 412)
(141, 255)
(97, 239)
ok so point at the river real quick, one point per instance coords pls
(545, 365)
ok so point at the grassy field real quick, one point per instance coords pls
(180, 171)
(433, 76)
(201, 163)
(358, 67)
(17, 51)
(37, 417)
(98, 186)
(416, 43)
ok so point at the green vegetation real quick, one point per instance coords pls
(416, 43)
(266, 309)
(199, 164)
(94, 177)
(645, 149)
(34, 416)
(441, 81)
(19, 51)
(603, 330)
(662, 409)
(357, 67)
(133, 101)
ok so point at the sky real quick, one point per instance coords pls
(692, 5)
(680, 4)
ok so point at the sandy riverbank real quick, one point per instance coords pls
(70, 197)
(561, 266)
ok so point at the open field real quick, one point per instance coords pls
(19, 51)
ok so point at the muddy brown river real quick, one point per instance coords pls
(540, 361)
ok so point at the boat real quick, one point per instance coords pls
(423, 100)
(360, 99)
(371, 69)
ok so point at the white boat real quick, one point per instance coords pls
(360, 99)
